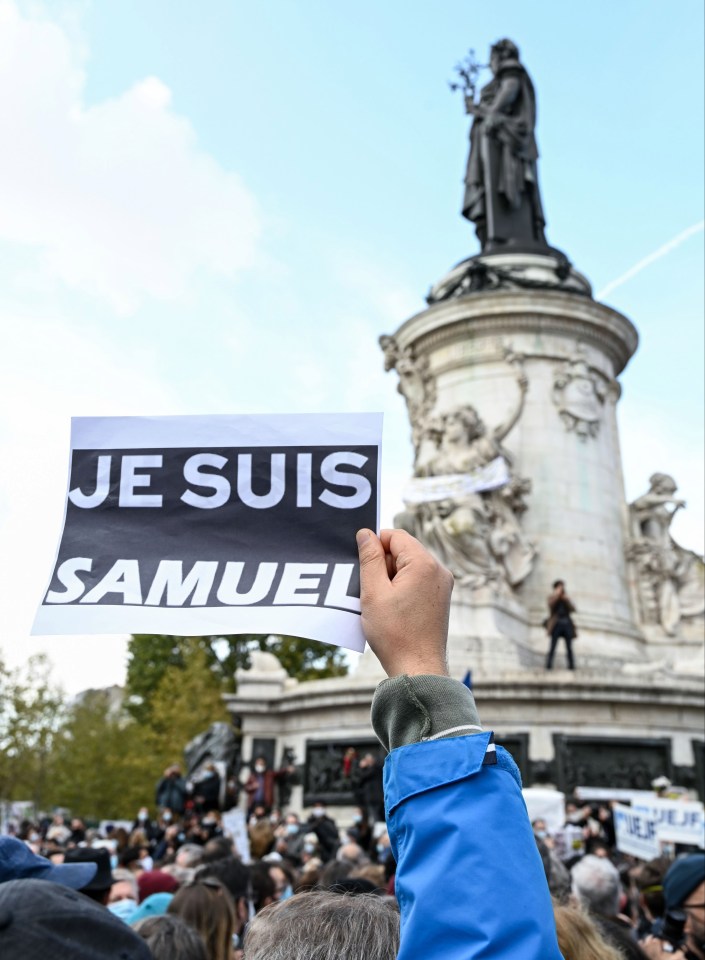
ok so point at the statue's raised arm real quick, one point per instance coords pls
(501, 431)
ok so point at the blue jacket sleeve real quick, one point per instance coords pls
(470, 882)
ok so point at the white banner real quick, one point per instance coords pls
(546, 805)
(214, 525)
(454, 486)
(677, 821)
(636, 833)
(235, 827)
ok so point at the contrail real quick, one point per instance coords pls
(652, 257)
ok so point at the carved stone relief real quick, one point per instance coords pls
(579, 394)
(466, 501)
(669, 578)
(416, 383)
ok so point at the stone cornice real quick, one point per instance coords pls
(510, 312)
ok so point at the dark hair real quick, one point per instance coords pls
(263, 888)
(208, 907)
(558, 583)
(171, 938)
(217, 848)
(231, 872)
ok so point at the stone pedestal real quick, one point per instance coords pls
(518, 345)
(565, 442)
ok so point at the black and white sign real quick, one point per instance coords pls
(223, 524)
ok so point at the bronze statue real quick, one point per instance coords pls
(501, 184)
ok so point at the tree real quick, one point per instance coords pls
(100, 769)
(30, 715)
(151, 655)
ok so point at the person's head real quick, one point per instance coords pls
(260, 764)
(99, 887)
(684, 889)
(235, 877)
(124, 886)
(189, 855)
(171, 938)
(263, 889)
(559, 585)
(44, 919)
(327, 925)
(596, 884)
(578, 937)
(649, 882)
(283, 881)
(259, 812)
(318, 810)
(207, 906)
(217, 849)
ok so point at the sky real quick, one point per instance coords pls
(218, 208)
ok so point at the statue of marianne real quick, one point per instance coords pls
(501, 184)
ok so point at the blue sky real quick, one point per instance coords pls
(219, 207)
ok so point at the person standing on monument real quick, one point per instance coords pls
(560, 624)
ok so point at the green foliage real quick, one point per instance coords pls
(100, 769)
(151, 655)
(29, 719)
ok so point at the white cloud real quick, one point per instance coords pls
(117, 200)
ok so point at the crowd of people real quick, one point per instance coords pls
(455, 871)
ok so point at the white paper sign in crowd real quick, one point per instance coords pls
(636, 833)
(643, 827)
(221, 524)
(677, 821)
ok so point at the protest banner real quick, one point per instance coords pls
(636, 833)
(215, 525)
(677, 821)
(452, 486)
(546, 805)
(235, 827)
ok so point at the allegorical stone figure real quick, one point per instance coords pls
(501, 184)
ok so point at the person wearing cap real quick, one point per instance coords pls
(684, 889)
(42, 920)
(98, 887)
(19, 862)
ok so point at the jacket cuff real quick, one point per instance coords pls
(410, 709)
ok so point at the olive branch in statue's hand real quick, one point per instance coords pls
(467, 71)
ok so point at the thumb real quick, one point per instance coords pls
(373, 563)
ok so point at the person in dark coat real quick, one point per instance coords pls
(171, 790)
(370, 789)
(560, 624)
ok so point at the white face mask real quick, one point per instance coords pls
(166, 817)
(318, 812)
(260, 768)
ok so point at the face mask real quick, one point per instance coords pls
(357, 818)
(541, 834)
(123, 909)
(34, 838)
(318, 812)
(260, 767)
(208, 822)
(309, 848)
(292, 828)
(274, 819)
(286, 893)
(114, 862)
(142, 816)
(166, 817)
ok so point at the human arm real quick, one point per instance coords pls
(469, 880)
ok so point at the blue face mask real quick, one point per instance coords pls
(114, 862)
(286, 893)
(123, 909)
(292, 828)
